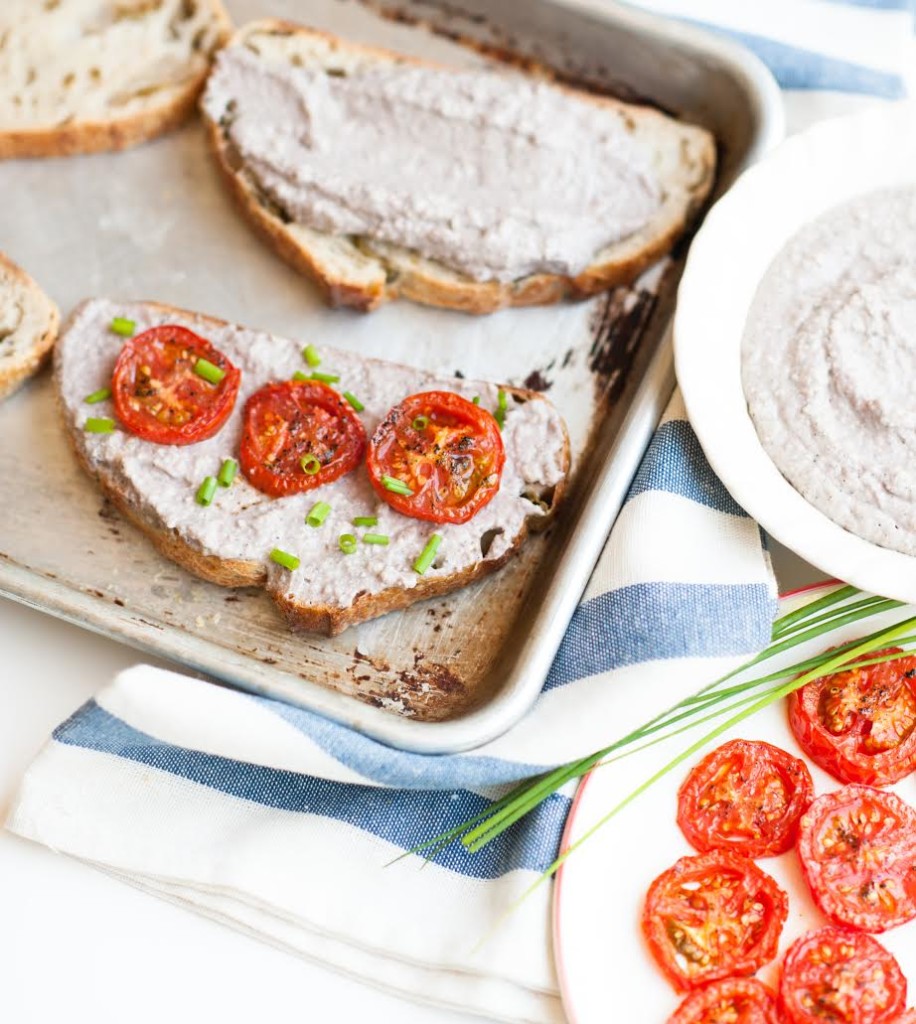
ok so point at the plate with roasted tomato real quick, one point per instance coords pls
(770, 878)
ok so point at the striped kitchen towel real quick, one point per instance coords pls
(841, 47)
(281, 823)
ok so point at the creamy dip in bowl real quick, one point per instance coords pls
(828, 365)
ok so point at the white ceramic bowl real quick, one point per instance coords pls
(806, 175)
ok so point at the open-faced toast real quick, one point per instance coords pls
(365, 270)
(28, 326)
(100, 74)
(230, 541)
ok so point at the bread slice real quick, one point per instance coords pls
(92, 75)
(230, 541)
(28, 326)
(364, 272)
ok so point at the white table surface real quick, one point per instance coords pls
(77, 945)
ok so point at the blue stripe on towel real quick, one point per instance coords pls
(621, 627)
(675, 463)
(795, 68)
(401, 817)
(879, 5)
(390, 767)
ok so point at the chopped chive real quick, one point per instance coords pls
(375, 538)
(206, 490)
(311, 356)
(326, 378)
(99, 425)
(397, 486)
(97, 396)
(354, 401)
(227, 472)
(365, 520)
(420, 422)
(347, 543)
(209, 371)
(300, 376)
(285, 559)
(318, 514)
(502, 403)
(310, 464)
(121, 325)
(476, 399)
(427, 554)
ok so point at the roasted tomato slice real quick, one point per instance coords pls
(158, 395)
(858, 854)
(843, 977)
(447, 451)
(298, 435)
(730, 1001)
(860, 725)
(712, 916)
(746, 797)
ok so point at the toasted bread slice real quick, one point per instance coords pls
(28, 326)
(365, 272)
(101, 74)
(230, 541)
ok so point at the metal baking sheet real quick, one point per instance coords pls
(155, 223)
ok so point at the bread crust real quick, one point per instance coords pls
(14, 372)
(313, 618)
(432, 284)
(116, 133)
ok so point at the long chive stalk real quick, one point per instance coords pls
(809, 609)
(712, 691)
(713, 702)
(875, 604)
(831, 665)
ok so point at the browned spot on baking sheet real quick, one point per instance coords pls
(536, 381)
(620, 320)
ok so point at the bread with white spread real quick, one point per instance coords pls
(81, 76)
(28, 326)
(230, 541)
(327, 195)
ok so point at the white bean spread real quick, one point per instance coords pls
(242, 523)
(494, 174)
(829, 365)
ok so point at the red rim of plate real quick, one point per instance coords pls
(567, 829)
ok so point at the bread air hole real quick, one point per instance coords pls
(542, 497)
(487, 538)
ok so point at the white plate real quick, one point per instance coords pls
(802, 178)
(606, 973)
